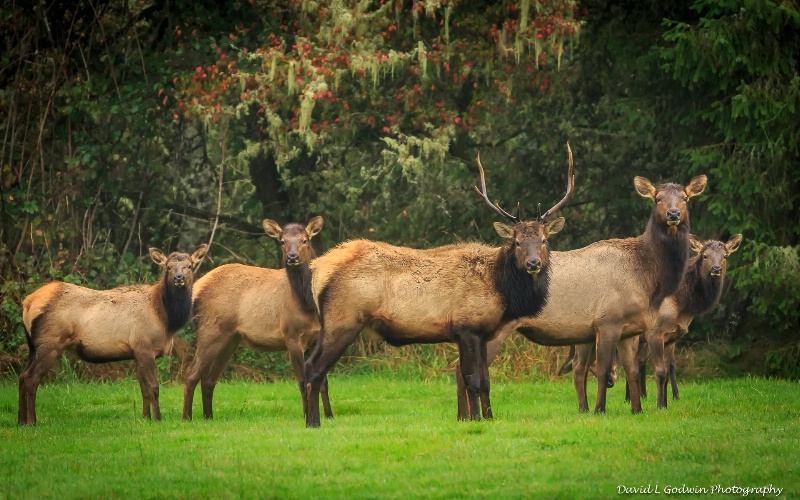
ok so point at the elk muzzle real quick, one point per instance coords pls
(673, 216)
(533, 266)
(716, 271)
(179, 281)
(292, 259)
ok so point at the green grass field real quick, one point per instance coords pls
(397, 437)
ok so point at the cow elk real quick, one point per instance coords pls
(699, 292)
(612, 289)
(268, 309)
(130, 322)
(457, 293)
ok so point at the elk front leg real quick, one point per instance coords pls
(461, 393)
(486, 406)
(655, 344)
(627, 352)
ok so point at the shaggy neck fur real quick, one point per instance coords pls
(300, 281)
(667, 254)
(523, 294)
(177, 303)
(700, 291)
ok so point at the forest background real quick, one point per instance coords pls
(134, 123)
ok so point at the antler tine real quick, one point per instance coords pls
(570, 188)
(482, 193)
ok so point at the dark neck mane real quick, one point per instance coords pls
(177, 303)
(523, 294)
(300, 281)
(699, 292)
(666, 255)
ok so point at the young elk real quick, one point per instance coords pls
(130, 322)
(268, 309)
(699, 292)
(458, 293)
(613, 289)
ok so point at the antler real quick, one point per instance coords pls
(482, 193)
(570, 188)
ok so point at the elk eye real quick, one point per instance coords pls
(658, 200)
(283, 242)
(685, 198)
(305, 241)
(724, 256)
(705, 256)
(516, 243)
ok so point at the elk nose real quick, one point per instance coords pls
(180, 280)
(673, 214)
(716, 270)
(292, 258)
(534, 265)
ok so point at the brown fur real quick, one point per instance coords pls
(131, 322)
(456, 293)
(267, 309)
(612, 289)
(699, 292)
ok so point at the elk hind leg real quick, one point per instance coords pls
(581, 362)
(486, 407)
(212, 371)
(669, 354)
(655, 344)
(607, 339)
(627, 353)
(37, 367)
(330, 347)
(148, 382)
(297, 358)
(469, 356)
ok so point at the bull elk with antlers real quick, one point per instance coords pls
(612, 290)
(267, 309)
(130, 322)
(457, 293)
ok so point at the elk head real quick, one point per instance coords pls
(179, 266)
(715, 253)
(670, 199)
(295, 239)
(528, 240)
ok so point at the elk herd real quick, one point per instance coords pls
(631, 298)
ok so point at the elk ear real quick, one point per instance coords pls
(158, 256)
(733, 244)
(314, 226)
(555, 225)
(644, 187)
(696, 186)
(199, 254)
(695, 244)
(504, 230)
(272, 228)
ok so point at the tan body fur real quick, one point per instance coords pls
(397, 291)
(455, 293)
(237, 304)
(131, 322)
(612, 290)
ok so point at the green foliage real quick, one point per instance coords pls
(740, 58)
(784, 362)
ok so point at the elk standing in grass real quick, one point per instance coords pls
(612, 289)
(130, 322)
(699, 292)
(457, 293)
(268, 309)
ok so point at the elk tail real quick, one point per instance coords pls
(567, 366)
